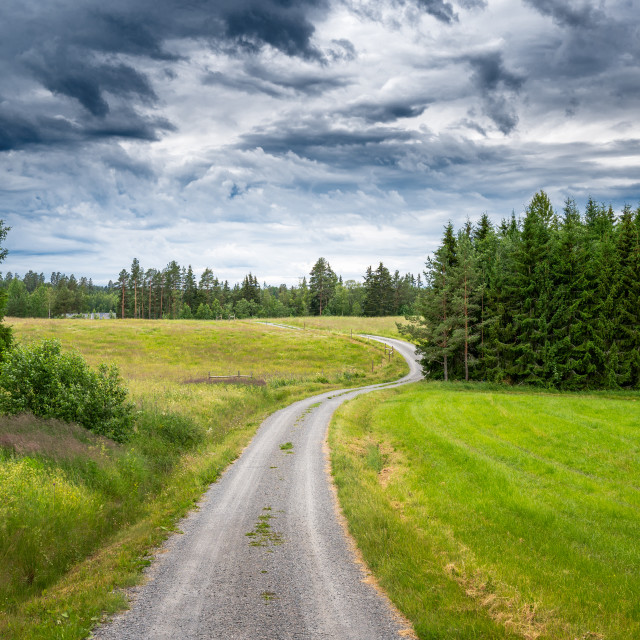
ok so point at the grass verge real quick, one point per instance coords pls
(490, 514)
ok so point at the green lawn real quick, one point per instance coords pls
(490, 514)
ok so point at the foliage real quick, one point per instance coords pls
(550, 300)
(43, 380)
(5, 332)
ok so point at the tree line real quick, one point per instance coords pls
(551, 298)
(175, 292)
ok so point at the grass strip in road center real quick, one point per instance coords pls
(491, 514)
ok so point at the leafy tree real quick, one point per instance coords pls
(203, 312)
(5, 332)
(43, 380)
(18, 299)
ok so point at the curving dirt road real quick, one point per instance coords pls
(265, 557)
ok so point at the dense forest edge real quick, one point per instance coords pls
(175, 293)
(550, 299)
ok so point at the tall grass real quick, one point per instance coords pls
(78, 513)
(511, 513)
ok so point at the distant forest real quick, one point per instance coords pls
(550, 299)
(175, 293)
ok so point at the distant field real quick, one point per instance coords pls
(345, 324)
(496, 514)
(157, 356)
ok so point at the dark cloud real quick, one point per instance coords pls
(18, 131)
(316, 140)
(568, 12)
(473, 4)
(286, 30)
(65, 71)
(440, 10)
(76, 52)
(596, 38)
(342, 49)
(256, 78)
(497, 86)
(380, 112)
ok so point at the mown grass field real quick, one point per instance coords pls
(79, 514)
(497, 514)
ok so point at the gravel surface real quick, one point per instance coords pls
(294, 576)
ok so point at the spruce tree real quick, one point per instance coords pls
(569, 362)
(466, 292)
(322, 283)
(628, 303)
(431, 330)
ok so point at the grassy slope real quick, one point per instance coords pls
(145, 486)
(489, 513)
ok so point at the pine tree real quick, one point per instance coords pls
(628, 303)
(432, 329)
(136, 275)
(322, 283)
(123, 280)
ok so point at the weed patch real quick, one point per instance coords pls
(262, 534)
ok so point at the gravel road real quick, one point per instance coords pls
(265, 556)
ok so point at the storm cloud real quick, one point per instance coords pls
(259, 134)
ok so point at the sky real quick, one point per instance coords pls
(258, 135)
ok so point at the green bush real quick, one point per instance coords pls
(43, 380)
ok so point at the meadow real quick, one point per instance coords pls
(493, 513)
(384, 326)
(79, 514)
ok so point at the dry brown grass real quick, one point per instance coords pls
(523, 618)
(27, 435)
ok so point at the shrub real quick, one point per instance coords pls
(43, 380)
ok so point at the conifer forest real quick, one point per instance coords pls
(550, 299)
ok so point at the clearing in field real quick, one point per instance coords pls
(496, 514)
